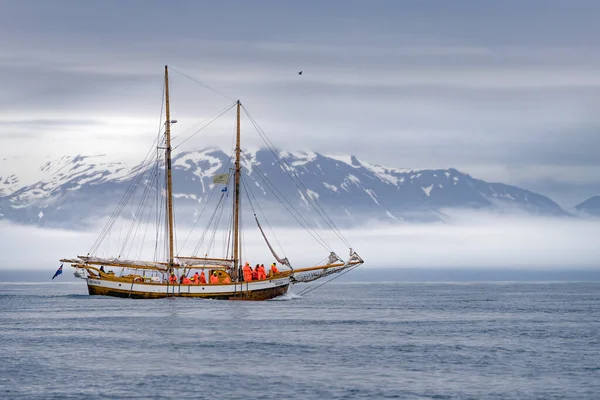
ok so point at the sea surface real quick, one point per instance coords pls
(341, 341)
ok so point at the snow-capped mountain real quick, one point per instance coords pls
(590, 207)
(72, 191)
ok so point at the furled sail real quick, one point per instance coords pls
(205, 261)
(283, 261)
(334, 265)
(117, 262)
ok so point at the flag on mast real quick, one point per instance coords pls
(221, 178)
(58, 272)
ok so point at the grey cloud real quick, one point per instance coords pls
(42, 123)
(507, 85)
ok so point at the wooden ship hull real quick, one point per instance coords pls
(258, 290)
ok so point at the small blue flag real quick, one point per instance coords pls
(224, 189)
(58, 272)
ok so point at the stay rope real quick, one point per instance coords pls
(250, 193)
(297, 182)
(311, 288)
(290, 207)
(211, 119)
(201, 83)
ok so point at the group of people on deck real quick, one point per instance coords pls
(248, 274)
(258, 273)
(197, 278)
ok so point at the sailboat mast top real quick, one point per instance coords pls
(168, 168)
(236, 200)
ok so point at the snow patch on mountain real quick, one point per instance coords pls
(348, 180)
(330, 187)
(372, 195)
(302, 158)
(346, 159)
(312, 194)
(185, 196)
(427, 190)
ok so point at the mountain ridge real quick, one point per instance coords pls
(590, 206)
(74, 189)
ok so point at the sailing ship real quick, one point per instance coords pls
(228, 279)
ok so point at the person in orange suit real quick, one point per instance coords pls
(274, 269)
(186, 280)
(214, 278)
(172, 279)
(262, 274)
(247, 272)
(202, 278)
(196, 277)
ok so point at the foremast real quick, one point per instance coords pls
(168, 171)
(236, 198)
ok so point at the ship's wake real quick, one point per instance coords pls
(289, 295)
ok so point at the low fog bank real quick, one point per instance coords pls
(472, 241)
(484, 240)
(367, 274)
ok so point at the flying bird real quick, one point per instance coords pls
(300, 73)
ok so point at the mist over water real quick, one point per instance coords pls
(468, 240)
(431, 341)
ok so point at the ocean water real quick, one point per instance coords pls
(350, 341)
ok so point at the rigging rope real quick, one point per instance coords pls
(208, 226)
(290, 207)
(210, 194)
(313, 202)
(129, 192)
(138, 215)
(123, 202)
(201, 83)
(160, 209)
(150, 208)
(264, 216)
(283, 260)
(311, 288)
(216, 218)
(232, 149)
(212, 119)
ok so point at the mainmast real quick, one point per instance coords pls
(236, 199)
(168, 168)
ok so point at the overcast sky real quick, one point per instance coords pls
(504, 90)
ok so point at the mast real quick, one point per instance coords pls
(236, 199)
(168, 168)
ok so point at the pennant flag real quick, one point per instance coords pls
(224, 189)
(221, 178)
(58, 272)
